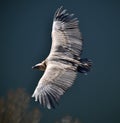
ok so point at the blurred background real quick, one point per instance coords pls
(25, 40)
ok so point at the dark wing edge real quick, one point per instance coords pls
(49, 91)
(62, 15)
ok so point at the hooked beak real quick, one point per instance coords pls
(34, 67)
(37, 66)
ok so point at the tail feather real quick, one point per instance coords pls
(85, 65)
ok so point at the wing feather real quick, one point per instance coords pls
(55, 81)
(66, 33)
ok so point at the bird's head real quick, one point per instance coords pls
(40, 66)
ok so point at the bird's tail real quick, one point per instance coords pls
(85, 65)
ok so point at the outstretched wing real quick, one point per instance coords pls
(66, 37)
(61, 62)
(55, 81)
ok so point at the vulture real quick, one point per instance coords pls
(63, 62)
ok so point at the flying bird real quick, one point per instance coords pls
(63, 62)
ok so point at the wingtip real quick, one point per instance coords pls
(62, 15)
(48, 98)
(58, 11)
(61, 7)
(33, 96)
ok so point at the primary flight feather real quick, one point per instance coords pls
(63, 62)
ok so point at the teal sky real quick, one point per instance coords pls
(25, 40)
